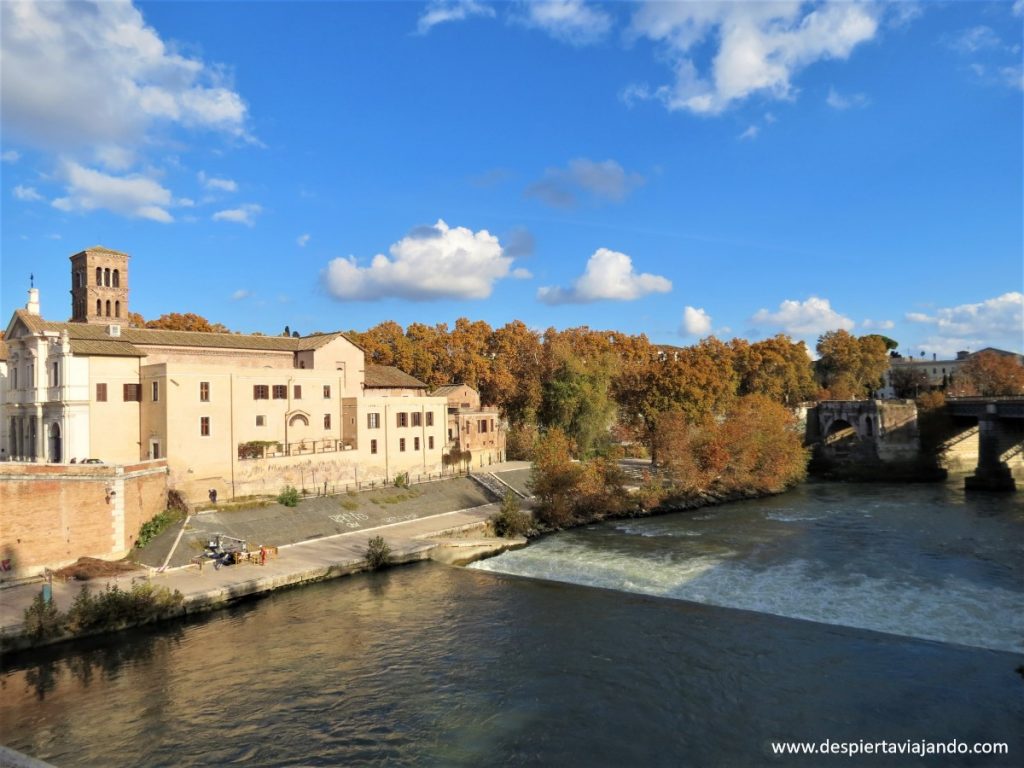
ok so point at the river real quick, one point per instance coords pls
(838, 612)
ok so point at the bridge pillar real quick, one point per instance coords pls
(991, 473)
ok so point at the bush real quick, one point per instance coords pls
(288, 497)
(115, 607)
(350, 504)
(402, 480)
(511, 521)
(153, 528)
(42, 619)
(378, 553)
(176, 502)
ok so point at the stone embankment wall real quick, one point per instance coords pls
(959, 453)
(52, 514)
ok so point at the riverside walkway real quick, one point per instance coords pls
(301, 562)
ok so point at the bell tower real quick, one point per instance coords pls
(99, 286)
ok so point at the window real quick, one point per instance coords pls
(417, 419)
(280, 391)
(204, 426)
(373, 446)
(297, 392)
(204, 391)
(430, 442)
(260, 392)
(327, 391)
(327, 421)
(132, 393)
(156, 391)
(482, 426)
(449, 434)
(14, 378)
(401, 444)
(101, 393)
(99, 281)
(108, 307)
(117, 278)
(403, 419)
(261, 421)
(430, 418)
(55, 381)
(415, 443)
(373, 421)
(99, 305)
(117, 309)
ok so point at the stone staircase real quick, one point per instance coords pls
(494, 485)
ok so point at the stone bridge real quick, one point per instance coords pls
(1000, 438)
(864, 431)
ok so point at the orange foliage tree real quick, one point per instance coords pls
(990, 374)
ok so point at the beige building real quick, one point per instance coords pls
(239, 414)
(472, 427)
(938, 373)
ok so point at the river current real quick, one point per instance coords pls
(836, 612)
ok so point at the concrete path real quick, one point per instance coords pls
(295, 564)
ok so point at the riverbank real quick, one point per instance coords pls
(424, 533)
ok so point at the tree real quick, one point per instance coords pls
(990, 374)
(188, 321)
(850, 367)
(908, 381)
(777, 367)
(554, 479)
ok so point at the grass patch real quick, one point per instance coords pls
(349, 504)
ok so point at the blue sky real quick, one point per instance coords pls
(675, 169)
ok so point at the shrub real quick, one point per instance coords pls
(153, 528)
(114, 607)
(42, 619)
(402, 480)
(511, 521)
(176, 502)
(378, 553)
(288, 497)
(350, 504)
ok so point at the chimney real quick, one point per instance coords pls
(934, 356)
(33, 301)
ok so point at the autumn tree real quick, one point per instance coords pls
(990, 374)
(514, 384)
(188, 321)
(850, 367)
(779, 368)
(554, 479)
(908, 381)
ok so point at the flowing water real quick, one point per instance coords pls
(692, 650)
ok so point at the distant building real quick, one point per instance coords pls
(239, 414)
(939, 373)
(472, 427)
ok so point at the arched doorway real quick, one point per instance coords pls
(55, 444)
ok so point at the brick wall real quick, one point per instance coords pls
(50, 515)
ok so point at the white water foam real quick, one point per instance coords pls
(955, 611)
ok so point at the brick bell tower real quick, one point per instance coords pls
(99, 286)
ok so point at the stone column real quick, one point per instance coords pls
(991, 473)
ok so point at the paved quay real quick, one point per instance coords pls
(324, 557)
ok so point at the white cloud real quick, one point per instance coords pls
(980, 38)
(608, 275)
(878, 325)
(812, 316)
(134, 196)
(79, 74)
(604, 180)
(115, 158)
(696, 322)
(215, 184)
(435, 262)
(244, 214)
(28, 194)
(995, 321)
(302, 240)
(1018, 8)
(241, 293)
(10, 156)
(520, 273)
(759, 47)
(1014, 76)
(570, 21)
(838, 101)
(441, 11)
(750, 133)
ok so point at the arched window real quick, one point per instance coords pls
(298, 419)
(117, 278)
(106, 277)
(99, 307)
(108, 307)
(117, 309)
(99, 276)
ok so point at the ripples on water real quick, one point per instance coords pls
(429, 665)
